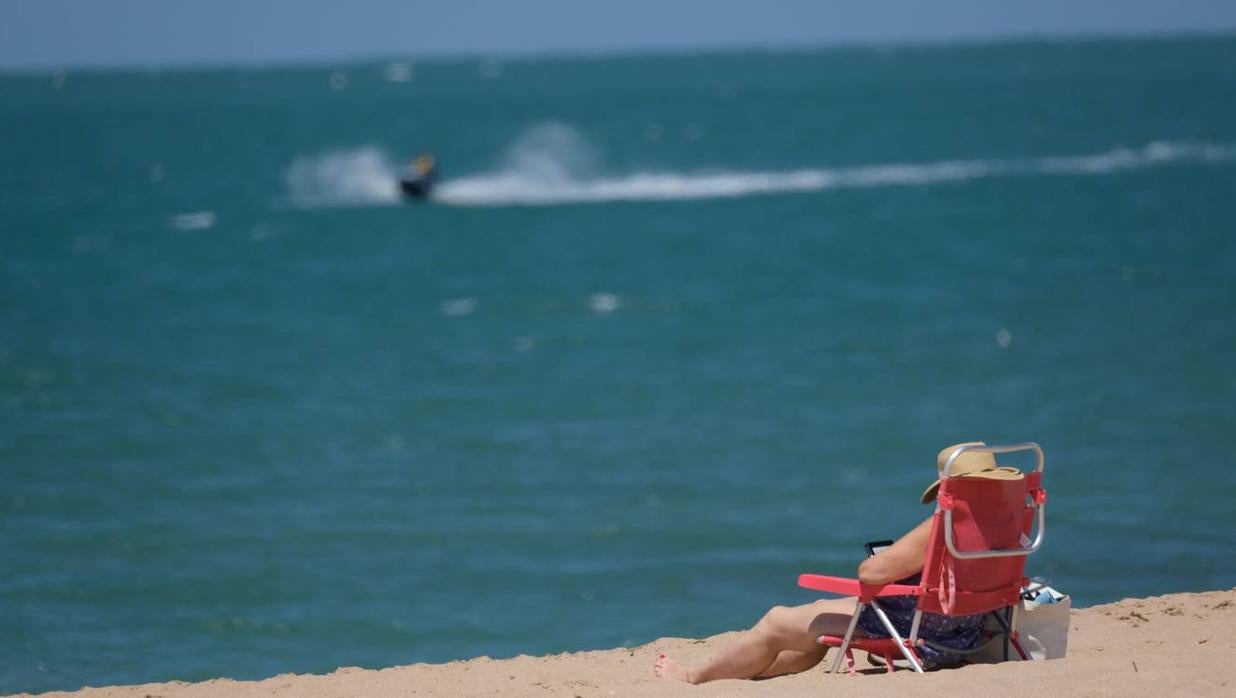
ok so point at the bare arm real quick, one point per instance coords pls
(903, 559)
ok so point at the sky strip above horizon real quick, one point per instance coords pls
(73, 33)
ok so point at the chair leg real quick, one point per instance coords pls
(845, 643)
(1009, 625)
(1025, 656)
(910, 655)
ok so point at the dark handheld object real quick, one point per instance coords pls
(877, 546)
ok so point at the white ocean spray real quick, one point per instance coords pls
(552, 164)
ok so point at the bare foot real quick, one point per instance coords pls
(666, 668)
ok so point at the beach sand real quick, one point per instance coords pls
(1179, 644)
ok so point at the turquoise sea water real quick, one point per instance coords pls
(678, 329)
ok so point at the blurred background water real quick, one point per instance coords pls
(678, 329)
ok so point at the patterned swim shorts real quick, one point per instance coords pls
(956, 632)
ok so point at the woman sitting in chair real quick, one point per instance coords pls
(784, 640)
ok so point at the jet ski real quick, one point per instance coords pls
(415, 187)
(418, 183)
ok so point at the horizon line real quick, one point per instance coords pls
(631, 52)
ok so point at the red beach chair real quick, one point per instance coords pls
(976, 557)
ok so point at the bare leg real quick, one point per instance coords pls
(792, 628)
(793, 662)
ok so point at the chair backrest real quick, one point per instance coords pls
(991, 523)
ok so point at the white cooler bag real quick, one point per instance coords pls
(1042, 625)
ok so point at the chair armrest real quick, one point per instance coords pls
(853, 587)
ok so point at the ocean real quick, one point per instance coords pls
(675, 329)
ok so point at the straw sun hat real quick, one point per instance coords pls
(977, 464)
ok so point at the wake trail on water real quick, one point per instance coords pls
(552, 164)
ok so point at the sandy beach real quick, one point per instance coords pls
(1178, 644)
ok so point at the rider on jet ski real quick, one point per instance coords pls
(420, 180)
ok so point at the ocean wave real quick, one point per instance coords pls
(193, 220)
